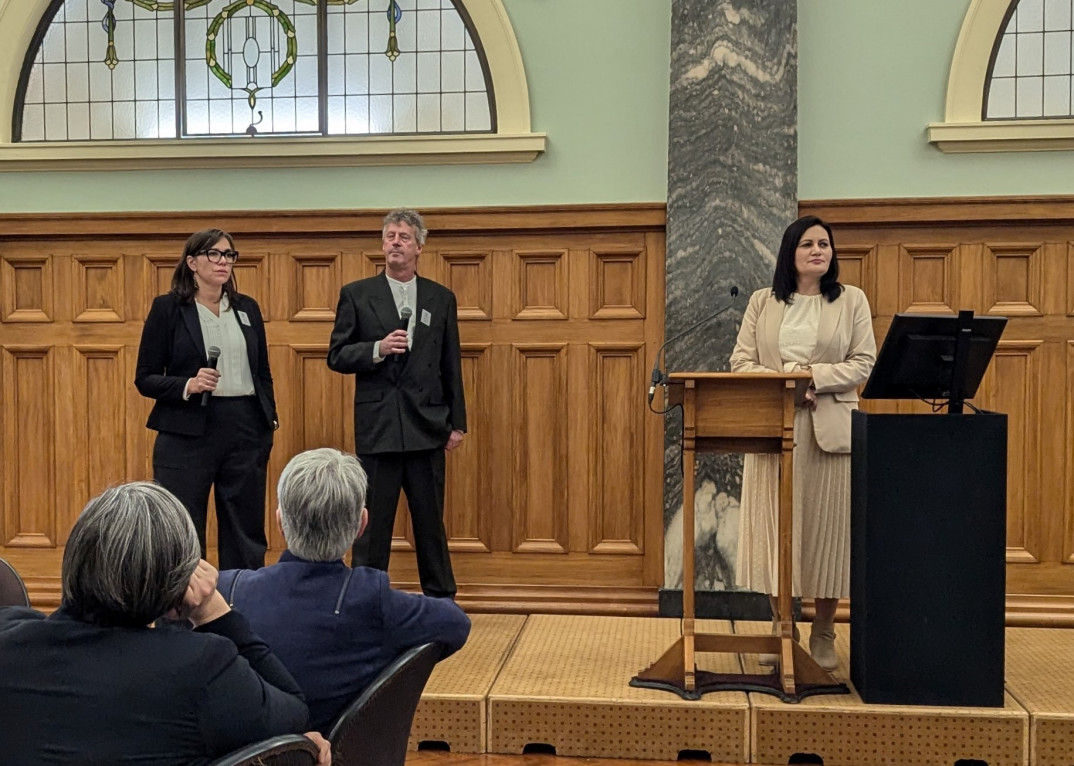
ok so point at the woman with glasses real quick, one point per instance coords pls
(204, 359)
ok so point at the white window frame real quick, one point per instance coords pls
(513, 142)
(963, 129)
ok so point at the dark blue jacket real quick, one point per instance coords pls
(335, 628)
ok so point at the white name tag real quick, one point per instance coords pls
(243, 318)
(426, 317)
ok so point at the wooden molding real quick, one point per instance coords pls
(920, 211)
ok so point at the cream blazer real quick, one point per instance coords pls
(841, 361)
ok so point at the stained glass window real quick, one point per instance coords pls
(108, 69)
(1031, 75)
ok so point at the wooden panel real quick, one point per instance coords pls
(250, 277)
(26, 292)
(1012, 279)
(315, 282)
(927, 279)
(857, 266)
(541, 279)
(467, 514)
(617, 287)
(98, 288)
(1011, 388)
(158, 271)
(314, 420)
(616, 473)
(469, 275)
(540, 449)
(29, 447)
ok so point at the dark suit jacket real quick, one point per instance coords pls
(74, 692)
(173, 350)
(400, 404)
(335, 628)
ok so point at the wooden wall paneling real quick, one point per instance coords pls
(616, 473)
(315, 278)
(617, 283)
(1066, 552)
(29, 447)
(99, 287)
(1012, 387)
(540, 449)
(251, 278)
(541, 284)
(653, 442)
(468, 273)
(857, 266)
(927, 279)
(1012, 279)
(467, 510)
(27, 290)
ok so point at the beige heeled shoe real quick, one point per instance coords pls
(822, 645)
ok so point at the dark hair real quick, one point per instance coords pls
(129, 556)
(183, 284)
(785, 279)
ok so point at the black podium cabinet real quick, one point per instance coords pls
(928, 544)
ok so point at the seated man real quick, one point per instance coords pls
(335, 628)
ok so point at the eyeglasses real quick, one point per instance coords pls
(215, 256)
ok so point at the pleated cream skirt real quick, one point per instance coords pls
(821, 539)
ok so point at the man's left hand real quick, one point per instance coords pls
(454, 440)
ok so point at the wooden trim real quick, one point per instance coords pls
(643, 216)
(941, 210)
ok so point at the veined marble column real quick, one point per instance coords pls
(732, 189)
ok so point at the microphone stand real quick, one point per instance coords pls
(659, 376)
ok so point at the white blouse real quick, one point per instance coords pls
(224, 332)
(798, 331)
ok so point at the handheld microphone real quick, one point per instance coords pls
(658, 376)
(214, 355)
(404, 324)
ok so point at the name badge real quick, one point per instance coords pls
(426, 317)
(243, 318)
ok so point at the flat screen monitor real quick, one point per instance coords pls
(918, 357)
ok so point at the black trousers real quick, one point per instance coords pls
(232, 459)
(420, 475)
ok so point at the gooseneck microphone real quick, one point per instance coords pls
(659, 377)
(214, 356)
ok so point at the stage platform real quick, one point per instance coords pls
(562, 682)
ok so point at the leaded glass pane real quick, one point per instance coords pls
(1032, 68)
(106, 69)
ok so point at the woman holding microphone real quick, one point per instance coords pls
(203, 357)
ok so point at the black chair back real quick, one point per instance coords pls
(12, 591)
(374, 729)
(285, 750)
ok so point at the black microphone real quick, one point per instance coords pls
(404, 324)
(214, 355)
(658, 377)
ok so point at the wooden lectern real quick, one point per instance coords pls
(737, 412)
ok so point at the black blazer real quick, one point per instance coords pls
(74, 692)
(173, 350)
(401, 404)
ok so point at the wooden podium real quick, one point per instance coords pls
(737, 412)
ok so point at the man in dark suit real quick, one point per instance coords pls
(398, 334)
(334, 627)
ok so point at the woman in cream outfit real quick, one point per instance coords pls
(806, 321)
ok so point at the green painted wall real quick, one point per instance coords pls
(872, 74)
(598, 76)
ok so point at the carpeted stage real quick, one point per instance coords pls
(562, 681)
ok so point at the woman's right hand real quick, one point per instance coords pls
(205, 380)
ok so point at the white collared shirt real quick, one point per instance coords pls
(404, 294)
(224, 332)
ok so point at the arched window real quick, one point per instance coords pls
(107, 69)
(1029, 74)
(145, 80)
(1011, 86)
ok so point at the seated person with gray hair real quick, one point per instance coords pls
(334, 627)
(93, 683)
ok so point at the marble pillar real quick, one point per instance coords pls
(732, 189)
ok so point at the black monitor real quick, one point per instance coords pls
(933, 357)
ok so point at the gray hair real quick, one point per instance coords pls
(411, 218)
(321, 493)
(130, 556)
